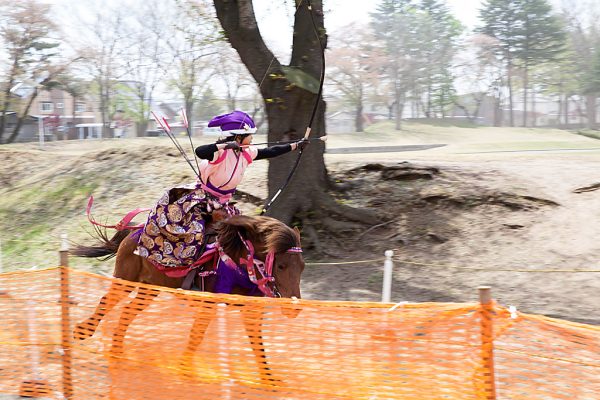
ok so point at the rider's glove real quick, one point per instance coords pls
(301, 144)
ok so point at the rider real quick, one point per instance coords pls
(174, 232)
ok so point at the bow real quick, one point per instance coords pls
(312, 117)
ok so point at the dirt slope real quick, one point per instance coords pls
(471, 213)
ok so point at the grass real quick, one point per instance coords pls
(31, 217)
(463, 140)
(593, 134)
(34, 213)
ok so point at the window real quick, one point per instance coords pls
(79, 107)
(59, 106)
(46, 106)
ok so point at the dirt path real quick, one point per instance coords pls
(488, 245)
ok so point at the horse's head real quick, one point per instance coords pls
(272, 242)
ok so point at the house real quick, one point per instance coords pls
(345, 121)
(54, 113)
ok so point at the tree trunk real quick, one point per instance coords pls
(525, 87)
(103, 106)
(73, 128)
(358, 117)
(498, 117)
(590, 110)
(141, 125)
(399, 103)
(566, 111)
(429, 90)
(189, 111)
(510, 93)
(399, 111)
(140, 128)
(22, 117)
(391, 108)
(288, 110)
(533, 115)
(560, 112)
(7, 95)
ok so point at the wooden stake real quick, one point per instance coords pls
(487, 342)
(67, 378)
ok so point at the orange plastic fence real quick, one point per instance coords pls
(278, 349)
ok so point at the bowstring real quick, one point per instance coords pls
(189, 132)
(314, 111)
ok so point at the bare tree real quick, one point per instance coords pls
(584, 38)
(481, 73)
(147, 59)
(193, 50)
(396, 27)
(25, 29)
(102, 46)
(354, 69)
(291, 93)
(233, 74)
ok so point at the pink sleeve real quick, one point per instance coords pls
(219, 156)
(253, 150)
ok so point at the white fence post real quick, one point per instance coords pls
(388, 266)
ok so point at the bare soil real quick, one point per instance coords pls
(517, 210)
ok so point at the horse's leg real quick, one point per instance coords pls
(253, 324)
(142, 300)
(202, 320)
(128, 266)
(115, 294)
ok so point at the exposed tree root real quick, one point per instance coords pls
(375, 227)
(328, 206)
(337, 226)
(309, 232)
(589, 188)
(508, 200)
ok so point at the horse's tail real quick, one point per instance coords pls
(106, 247)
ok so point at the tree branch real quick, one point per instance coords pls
(242, 32)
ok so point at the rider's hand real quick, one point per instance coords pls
(232, 145)
(301, 144)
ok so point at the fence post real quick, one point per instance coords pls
(487, 342)
(67, 378)
(388, 266)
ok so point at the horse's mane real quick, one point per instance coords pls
(267, 234)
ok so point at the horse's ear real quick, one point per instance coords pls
(297, 233)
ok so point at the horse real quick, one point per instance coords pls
(237, 236)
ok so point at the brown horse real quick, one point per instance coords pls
(266, 235)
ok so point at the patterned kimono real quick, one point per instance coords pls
(174, 232)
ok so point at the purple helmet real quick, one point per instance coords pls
(234, 123)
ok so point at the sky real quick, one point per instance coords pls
(275, 18)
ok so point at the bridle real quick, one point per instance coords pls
(261, 273)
